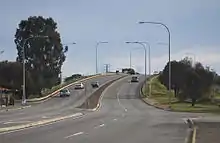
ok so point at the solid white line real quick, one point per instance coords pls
(34, 127)
(15, 122)
(44, 117)
(120, 103)
(76, 134)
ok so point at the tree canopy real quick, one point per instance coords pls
(74, 76)
(188, 81)
(128, 70)
(44, 53)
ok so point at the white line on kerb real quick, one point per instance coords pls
(76, 134)
(120, 103)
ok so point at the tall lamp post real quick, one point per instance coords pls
(145, 59)
(66, 45)
(130, 57)
(23, 60)
(96, 52)
(1, 52)
(169, 39)
(149, 62)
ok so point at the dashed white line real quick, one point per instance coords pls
(115, 119)
(76, 134)
(102, 125)
(44, 117)
(99, 126)
(120, 103)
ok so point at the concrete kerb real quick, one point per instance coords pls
(44, 122)
(11, 109)
(102, 94)
(191, 137)
(147, 101)
(38, 123)
(55, 92)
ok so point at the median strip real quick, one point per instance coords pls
(93, 102)
(38, 123)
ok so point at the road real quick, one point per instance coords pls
(122, 118)
(53, 107)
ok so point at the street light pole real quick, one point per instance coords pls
(130, 59)
(145, 59)
(149, 62)
(1, 52)
(169, 39)
(96, 54)
(73, 43)
(23, 60)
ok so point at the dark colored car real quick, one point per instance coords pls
(134, 79)
(95, 84)
(64, 93)
(117, 71)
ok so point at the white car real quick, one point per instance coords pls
(64, 93)
(79, 86)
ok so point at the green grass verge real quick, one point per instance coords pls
(198, 108)
(160, 96)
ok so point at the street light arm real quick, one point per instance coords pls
(96, 53)
(158, 23)
(164, 25)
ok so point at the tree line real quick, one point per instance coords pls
(189, 81)
(44, 54)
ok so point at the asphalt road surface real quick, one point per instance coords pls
(56, 106)
(122, 118)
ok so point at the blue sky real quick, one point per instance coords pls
(194, 26)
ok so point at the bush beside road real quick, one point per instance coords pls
(160, 98)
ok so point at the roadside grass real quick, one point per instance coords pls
(198, 108)
(160, 96)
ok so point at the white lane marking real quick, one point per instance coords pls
(191, 118)
(44, 117)
(16, 122)
(34, 127)
(102, 125)
(76, 134)
(120, 103)
(114, 119)
(99, 126)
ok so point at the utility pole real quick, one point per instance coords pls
(106, 67)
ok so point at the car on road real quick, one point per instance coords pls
(64, 93)
(134, 79)
(79, 86)
(95, 84)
